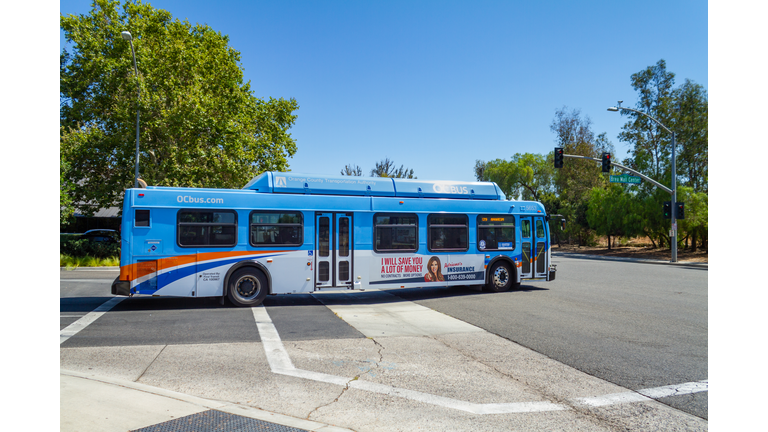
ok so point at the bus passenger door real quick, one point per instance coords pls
(540, 248)
(527, 247)
(333, 250)
(343, 268)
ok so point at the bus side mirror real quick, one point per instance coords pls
(562, 224)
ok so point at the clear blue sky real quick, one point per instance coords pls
(435, 85)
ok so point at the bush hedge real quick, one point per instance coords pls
(79, 247)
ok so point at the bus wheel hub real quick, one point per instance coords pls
(247, 286)
(500, 277)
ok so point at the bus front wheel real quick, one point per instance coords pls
(247, 287)
(501, 277)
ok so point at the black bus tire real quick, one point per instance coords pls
(247, 287)
(501, 278)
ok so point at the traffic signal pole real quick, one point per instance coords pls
(673, 191)
(643, 176)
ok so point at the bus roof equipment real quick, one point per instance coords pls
(310, 184)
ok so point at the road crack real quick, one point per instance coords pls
(374, 365)
(150, 364)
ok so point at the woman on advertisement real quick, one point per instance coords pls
(433, 268)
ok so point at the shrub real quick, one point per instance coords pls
(80, 247)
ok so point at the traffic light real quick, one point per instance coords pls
(679, 210)
(606, 162)
(558, 157)
(667, 209)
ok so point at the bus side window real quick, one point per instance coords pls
(269, 228)
(206, 228)
(447, 232)
(395, 232)
(141, 218)
(540, 229)
(495, 232)
(526, 228)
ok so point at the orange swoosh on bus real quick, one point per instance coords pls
(143, 268)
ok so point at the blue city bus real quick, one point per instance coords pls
(289, 233)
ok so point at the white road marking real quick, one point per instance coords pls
(676, 390)
(280, 363)
(76, 315)
(646, 394)
(375, 318)
(85, 321)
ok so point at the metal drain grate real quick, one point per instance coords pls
(217, 421)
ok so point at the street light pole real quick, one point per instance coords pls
(673, 230)
(127, 36)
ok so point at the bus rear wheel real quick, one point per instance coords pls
(247, 287)
(501, 277)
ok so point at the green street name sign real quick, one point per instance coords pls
(624, 178)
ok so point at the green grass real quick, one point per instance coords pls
(69, 262)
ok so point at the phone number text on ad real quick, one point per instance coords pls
(465, 276)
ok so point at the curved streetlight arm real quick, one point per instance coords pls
(642, 113)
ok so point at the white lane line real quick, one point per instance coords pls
(90, 317)
(280, 363)
(74, 315)
(646, 394)
(676, 390)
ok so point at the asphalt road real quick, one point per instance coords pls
(635, 325)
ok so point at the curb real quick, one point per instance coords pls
(702, 266)
(89, 268)
(116, 385)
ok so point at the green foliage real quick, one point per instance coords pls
(696, 223)
(66, 207)
(692, 135)
(352, 170)
(384, 168)
(582, 194)
(652, 144)
(525, 176)
(685, 111)
(80, 247)
(613, 212)
(387, 168)
(575, 181)
(70, 262)
(201, 125)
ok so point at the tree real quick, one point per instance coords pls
(387, 168)
(352, 170)
(66, 207)
(611, 211)
(692, 135)
(201, 125)
(652, 144)
(525, 176)
(683, 110)
(574, 181)
(695, 225)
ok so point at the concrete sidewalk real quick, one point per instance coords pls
(100, 404)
